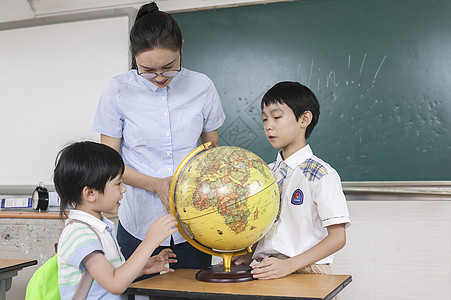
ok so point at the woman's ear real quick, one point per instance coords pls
(89, 194)
(306, 118)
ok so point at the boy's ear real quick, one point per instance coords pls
(89, 194)
(306, 118)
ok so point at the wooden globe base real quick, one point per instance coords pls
(216, 273)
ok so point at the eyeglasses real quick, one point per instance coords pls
(170, 73)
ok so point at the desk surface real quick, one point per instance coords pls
(15, 264)
(182, 283)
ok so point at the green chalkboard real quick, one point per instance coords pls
(380, 69)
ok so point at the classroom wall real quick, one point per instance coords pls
(49, 94)
(398, 247)
(51, 78)
(29, 239)
(383, 89)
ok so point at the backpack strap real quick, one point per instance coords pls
(86, 278)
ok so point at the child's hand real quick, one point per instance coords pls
(160, 229)
(157, 263)
(245, 259)
(271, 268)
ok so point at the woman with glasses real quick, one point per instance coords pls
(154, 115)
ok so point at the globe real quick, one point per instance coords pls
(225, 199)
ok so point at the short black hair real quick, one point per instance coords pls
(296, 96)
(84, 164)
(154, 29)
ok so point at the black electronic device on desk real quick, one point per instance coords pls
(40, 198)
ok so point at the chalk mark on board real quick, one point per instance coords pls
(363, 62)
(333, 76)
(380, 66)
(357, 77)
(311, 71)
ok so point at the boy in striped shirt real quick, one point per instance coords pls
(88, 179)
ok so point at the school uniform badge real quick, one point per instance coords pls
(297, 198)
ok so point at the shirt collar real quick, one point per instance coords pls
(176, 78)
(99, 225)
(293, 161)
(143, 80)
(152, 86)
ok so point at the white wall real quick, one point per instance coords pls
(397, 250)
(51, 78)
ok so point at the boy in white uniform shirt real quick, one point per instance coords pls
(313, 213)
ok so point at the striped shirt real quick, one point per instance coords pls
(76, 242)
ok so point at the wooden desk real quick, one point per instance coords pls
(8, 269)
(182, 284)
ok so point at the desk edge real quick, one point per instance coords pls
(21, 265)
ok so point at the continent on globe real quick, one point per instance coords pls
(226, 198)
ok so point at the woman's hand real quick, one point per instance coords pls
(161, 187)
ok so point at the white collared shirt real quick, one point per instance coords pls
(159, 127)
(312, 199)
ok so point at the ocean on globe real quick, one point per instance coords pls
(226, 198)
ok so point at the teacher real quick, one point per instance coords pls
(154, 115)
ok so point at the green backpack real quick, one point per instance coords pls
(43, 285)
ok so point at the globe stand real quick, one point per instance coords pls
(237, 273)
(226, 272)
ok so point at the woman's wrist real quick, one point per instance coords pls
(139, 180)
(150, 184)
